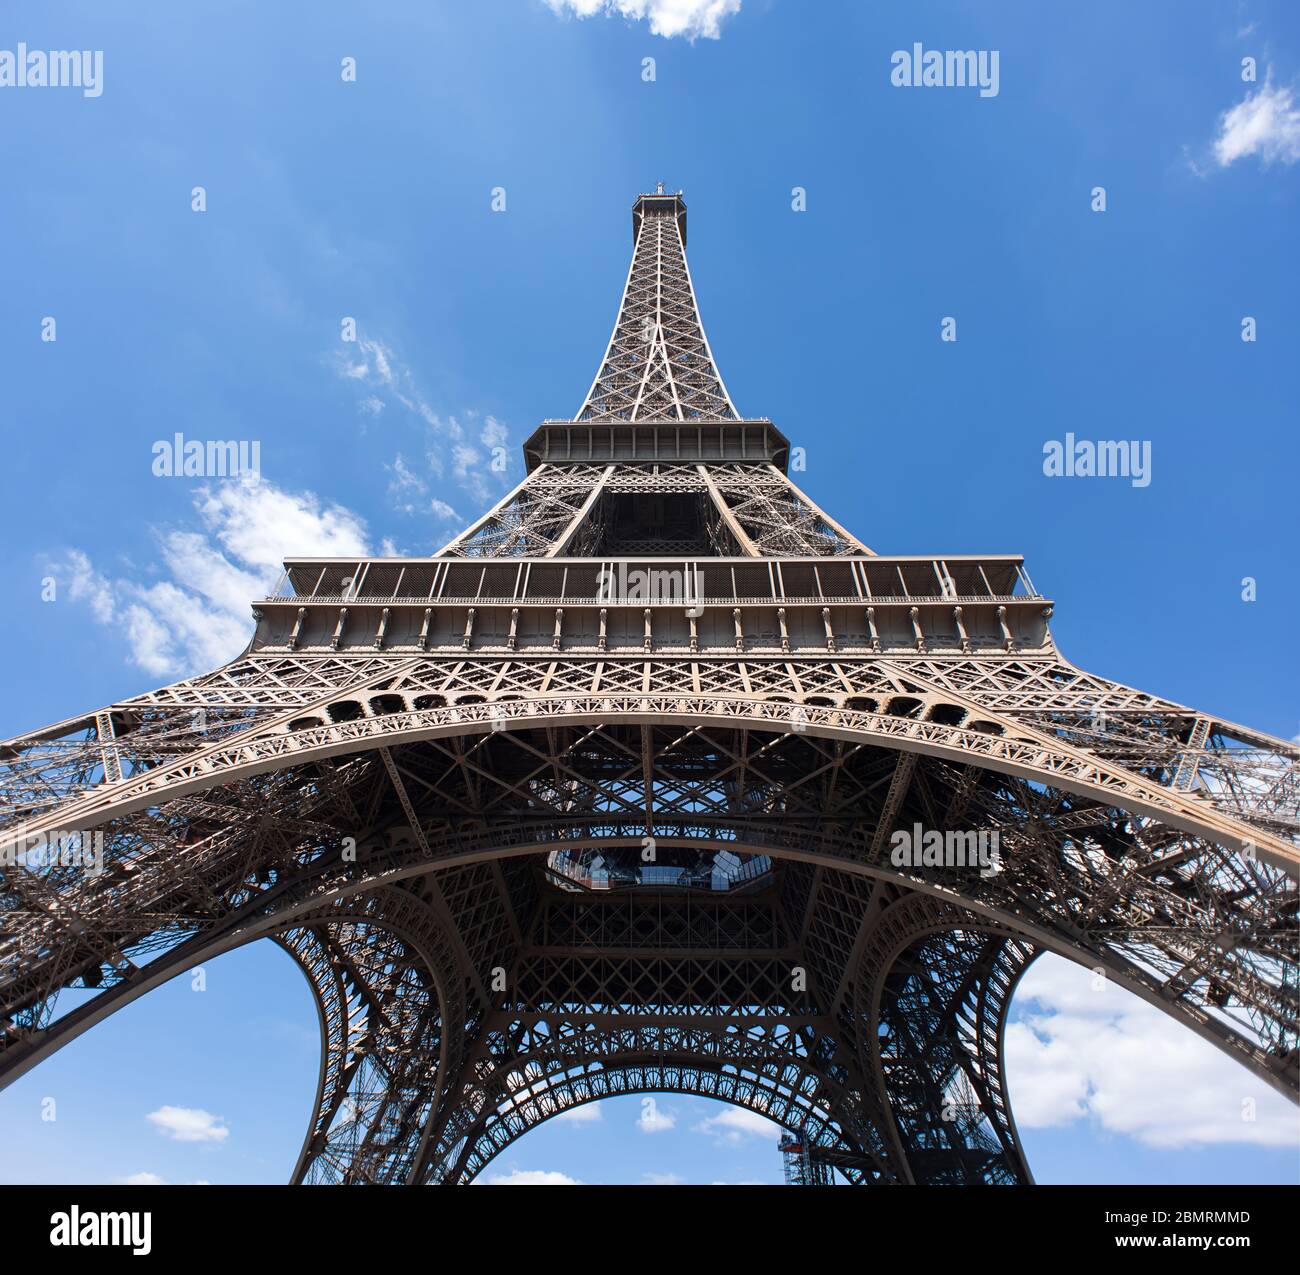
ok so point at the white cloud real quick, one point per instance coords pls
(1075, 1051)
(189, 1124)
(260, 523)
(530, 1177)
(151, 644)
(691, 18)
(662, 1179)
(653, 1119)
(735, 1124)
(173, 631)
(441, 509)
(199, 616)
(587, 1113)
(1265, 123)
(141, 1179)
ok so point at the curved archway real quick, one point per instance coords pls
(691, 1141)
(210, 1078)
(564, 1094)
(1014, 749)
(257, 922)
(1057, 876)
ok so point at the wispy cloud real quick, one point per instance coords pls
(689, 18)
(408, 494)
(407, 489)
(472, 448)
(198, 616)
(737, 1124)
(189, 1124)
(1098, 1052)
(85, 584)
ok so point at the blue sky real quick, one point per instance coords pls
(372, 200)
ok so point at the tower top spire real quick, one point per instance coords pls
(658, 365)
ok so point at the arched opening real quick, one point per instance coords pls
(208, 1078)
(658, 1138)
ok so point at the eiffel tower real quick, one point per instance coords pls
(607, 796)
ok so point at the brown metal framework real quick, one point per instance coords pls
(599, 800)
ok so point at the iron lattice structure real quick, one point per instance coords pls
(600, 800)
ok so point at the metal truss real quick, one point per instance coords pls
(931, 1000)
(771, 517)
(435, 783)
(750, 509)
(537, 519)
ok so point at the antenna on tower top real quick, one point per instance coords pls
(659, 188)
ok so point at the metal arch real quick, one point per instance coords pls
(583, 1000)
(846, 851)
(49, 770)
(1123, 973)
(1025, 753)
(309, 951)
(813, 729)
(635, 1077)
(987, 1040)
(316, 939)
(1066, 953)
